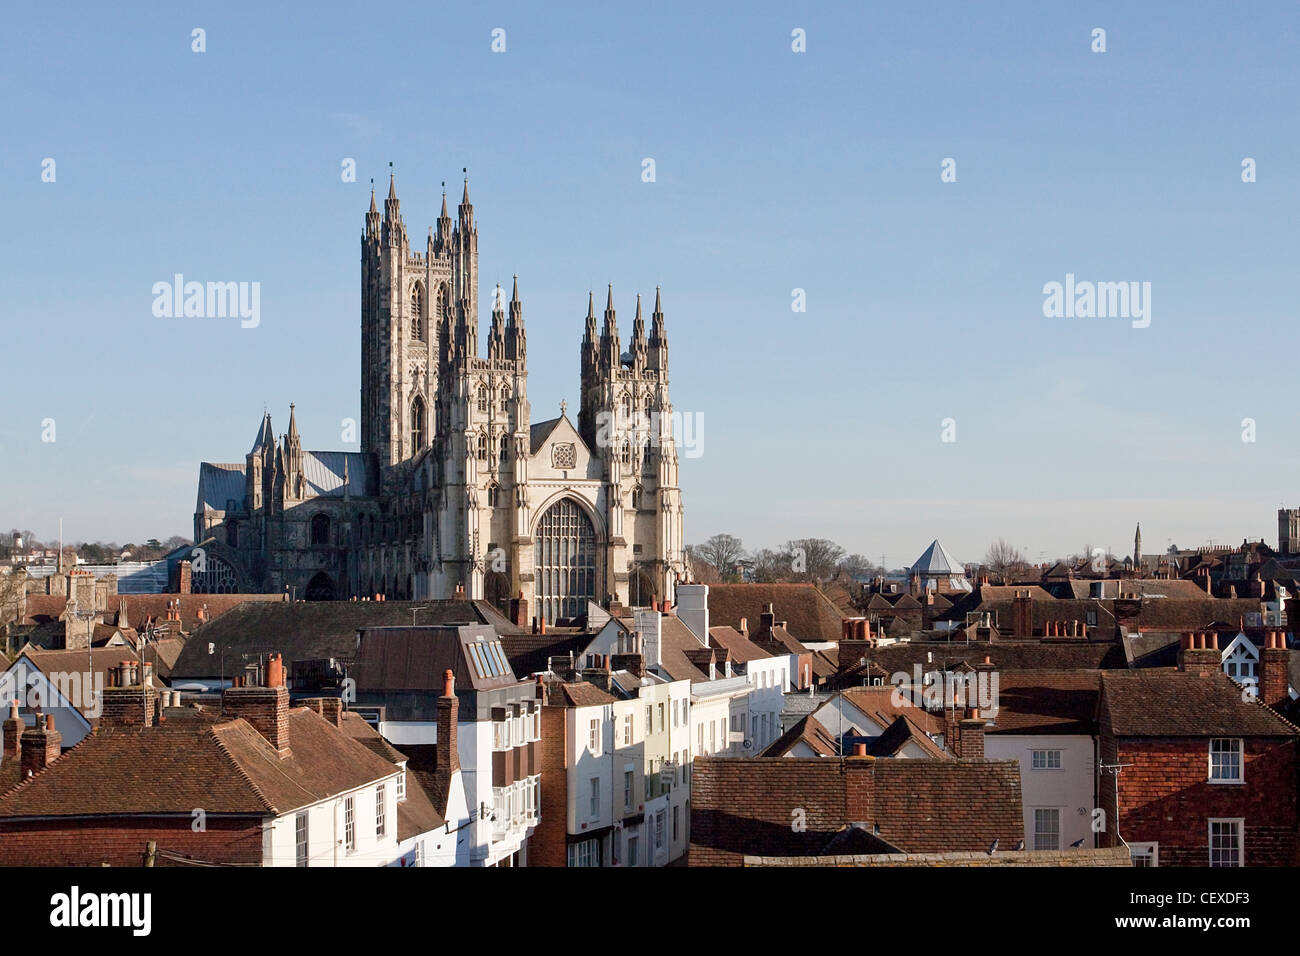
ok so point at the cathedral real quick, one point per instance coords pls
(455, 490)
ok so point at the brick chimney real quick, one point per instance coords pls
(1022, 615)
(519, 610)
(1274, 664)
(970, 736)
(766, 621)
(130, 699)
(266, 708)
(40, 747)
(184, 577)
(13, 730)
(447, 759)
(1199, 653)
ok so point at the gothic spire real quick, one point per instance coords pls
(497, 334)
(658, 353)
(638, 344)
(609, 333)
(515, 346)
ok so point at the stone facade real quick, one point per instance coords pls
(455, 488)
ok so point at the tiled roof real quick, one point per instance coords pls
(313, 630)
(745, 805)
(878, 703)
(1168, 703)
(584, 694)
(1046, 702)
(401, 659)
(901, 733)
(809, 614)
(225, 767)
(739, 649)
(1004, 655)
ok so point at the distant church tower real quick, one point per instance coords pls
(1137, 551)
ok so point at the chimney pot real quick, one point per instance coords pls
(448, 683)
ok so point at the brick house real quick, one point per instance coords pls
(1194, 772)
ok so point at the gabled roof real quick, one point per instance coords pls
(809, 614)
(220, 484)
(223, 766)
(1189, 705)
(738, 648)
(313, 630)
(919, 806)
(584, 694)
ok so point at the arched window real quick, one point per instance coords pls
(482, 398)
(505, 447)
(418, 432)
(482, 447)
(320, 530)
(494, 495)
(565, 550)
(626, 409)
(636, 497)
(417, 312)
(627, 452)
(505, 398)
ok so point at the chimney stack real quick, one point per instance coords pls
(128, 701)
(40, 747)
(1274, 664)
(1199, 653)
(266, 708)
(13, 730)
(970, 736)
(519, 610)
(446, 759)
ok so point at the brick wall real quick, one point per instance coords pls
(1164, 796)
(548, 845)
(121, 842)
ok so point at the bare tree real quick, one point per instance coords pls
(1004, 557)
(723, 551)
(813, 559)
(858, 567)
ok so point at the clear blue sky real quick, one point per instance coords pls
(775, 171)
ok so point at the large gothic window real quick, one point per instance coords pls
(565, 561)
(417, 312)
(418, 432)
(482, 447)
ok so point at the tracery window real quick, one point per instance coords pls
(565, 556)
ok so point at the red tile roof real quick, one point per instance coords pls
(224, 767)
(1170, 703)
(746, 805)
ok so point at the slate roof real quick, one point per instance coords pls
(314, 630)
(415, 659)
(538, 432)
(219, 484)
(1189, 705)
(937, 560)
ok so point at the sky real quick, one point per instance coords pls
(775, 170)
